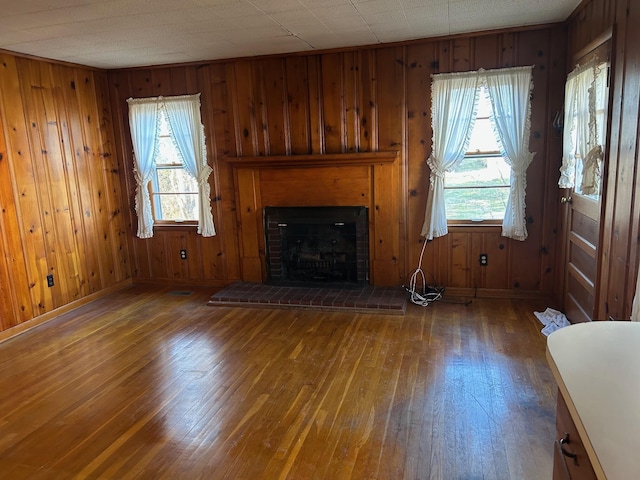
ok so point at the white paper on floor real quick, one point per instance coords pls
(552, 320)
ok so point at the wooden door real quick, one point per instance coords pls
(583, 225)
(582, 255)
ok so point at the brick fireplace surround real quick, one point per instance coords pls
(369, 179)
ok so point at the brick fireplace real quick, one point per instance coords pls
(317, 246)
(365, 180)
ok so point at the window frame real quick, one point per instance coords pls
(154, 190)
(470, 154)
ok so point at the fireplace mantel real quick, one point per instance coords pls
(370, 179)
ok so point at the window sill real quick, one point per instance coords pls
(469, 226)
(175, 225)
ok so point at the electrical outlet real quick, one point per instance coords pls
(50, 282)
(183, 254)
(484, 259)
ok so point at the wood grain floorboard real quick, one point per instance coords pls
(144, 384)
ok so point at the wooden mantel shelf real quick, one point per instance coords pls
(313, 160)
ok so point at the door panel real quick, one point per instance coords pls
(582, 247)
(583, 212)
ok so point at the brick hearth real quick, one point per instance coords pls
(369, 299)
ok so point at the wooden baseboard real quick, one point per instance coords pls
(39, 320)
(495, 293)
(171, 282)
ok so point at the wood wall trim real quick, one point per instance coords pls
(34, 322)
(313, 160)
(494, 293)
(600, 40)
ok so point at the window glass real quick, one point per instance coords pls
(174, 191)
(478, 188)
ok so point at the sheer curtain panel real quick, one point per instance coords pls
(584, 127)
(144, 123)
(454, 99)
(187, 132)
(510, 91)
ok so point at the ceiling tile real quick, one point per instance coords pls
(125, 33)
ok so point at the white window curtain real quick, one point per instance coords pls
(584, 128)
(187, 132)
(144, 124)
(454, 99)
(592, 163)
(510, 92)
(568, 168)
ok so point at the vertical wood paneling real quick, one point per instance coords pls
(552, 277)
(368, 113)
(333, 102)
(316, 114)
(119, 91)
(72, 184)
(366, 99)
(247, 203)
(391, 136)
(462, 54)
(245, 110)
(623, 178)
(351, 102)
(508, 49)
(533, 49)
(38, 125)
(61, 197)
(498, 269)
(485, 51)
(98, 133)
(298, 105)
(460, 270)
(29, 230)
(419, 134)
(8, 302)
(81, 192)
(274, 107)
(112, 173)
(220, 143)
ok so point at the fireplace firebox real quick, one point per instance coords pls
(321, 246)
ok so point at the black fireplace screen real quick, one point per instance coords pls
(317, 245)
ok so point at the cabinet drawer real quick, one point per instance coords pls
(570, 459)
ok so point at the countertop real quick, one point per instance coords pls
(597, 368)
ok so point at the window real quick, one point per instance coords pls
(171, 168)
(478, 187)
(174, 192)
(586, 93)
(472, 181)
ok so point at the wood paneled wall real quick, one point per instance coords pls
(620, 252)
(60, 189)
(357, 100)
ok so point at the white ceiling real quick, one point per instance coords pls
(129, 33)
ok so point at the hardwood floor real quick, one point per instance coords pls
(150, 384)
